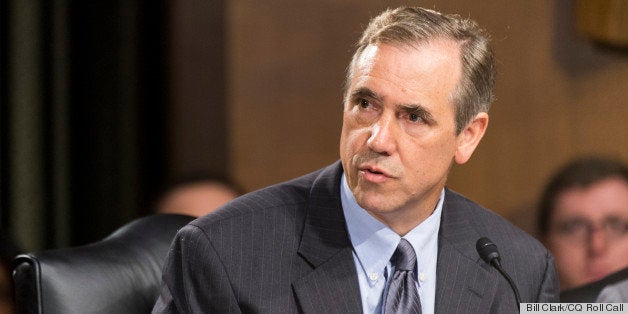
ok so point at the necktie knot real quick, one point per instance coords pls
(404, 257)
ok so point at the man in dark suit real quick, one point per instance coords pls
(416, 100)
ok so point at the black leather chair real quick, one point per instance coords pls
(119, 274)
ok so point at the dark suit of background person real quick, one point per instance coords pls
(287, 249)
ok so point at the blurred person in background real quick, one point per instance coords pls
(583, 219)
(196, 195)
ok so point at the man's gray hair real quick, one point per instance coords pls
(411, 26)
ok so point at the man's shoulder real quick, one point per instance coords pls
(287, 198)
(481, 216)
(487, 223)
(522, 256)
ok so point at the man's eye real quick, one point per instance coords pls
(364, 103)
(414, 117)
(573, 227)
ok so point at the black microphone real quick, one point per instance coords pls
(488, 252)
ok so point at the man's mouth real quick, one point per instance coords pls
(374, 174)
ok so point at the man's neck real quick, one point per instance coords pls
(403, 221)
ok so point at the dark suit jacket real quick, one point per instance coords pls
(285, 249)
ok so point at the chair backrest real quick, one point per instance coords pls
(119, 274)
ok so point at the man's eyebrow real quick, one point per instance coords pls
(364, 92)
(419, 110)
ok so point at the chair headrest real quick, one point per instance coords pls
(119, 274)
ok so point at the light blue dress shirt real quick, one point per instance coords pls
(374, 244)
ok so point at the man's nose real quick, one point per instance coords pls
(598, 241)
(383, 139)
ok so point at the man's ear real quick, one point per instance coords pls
(470, 137)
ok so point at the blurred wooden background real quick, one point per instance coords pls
(107, 100)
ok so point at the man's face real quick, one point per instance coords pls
(398, 136)
(587, 232)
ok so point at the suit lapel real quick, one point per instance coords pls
(465, 283)
(332, 286)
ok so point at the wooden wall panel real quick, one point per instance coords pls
(196, 114)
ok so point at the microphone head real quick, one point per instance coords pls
(487, 250)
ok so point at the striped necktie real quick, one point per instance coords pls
(403, 296)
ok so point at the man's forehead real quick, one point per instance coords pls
(429, 57)
(607, 197)
(429, 69)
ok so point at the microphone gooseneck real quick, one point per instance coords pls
(488, 252)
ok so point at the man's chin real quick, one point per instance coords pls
(375, 204)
